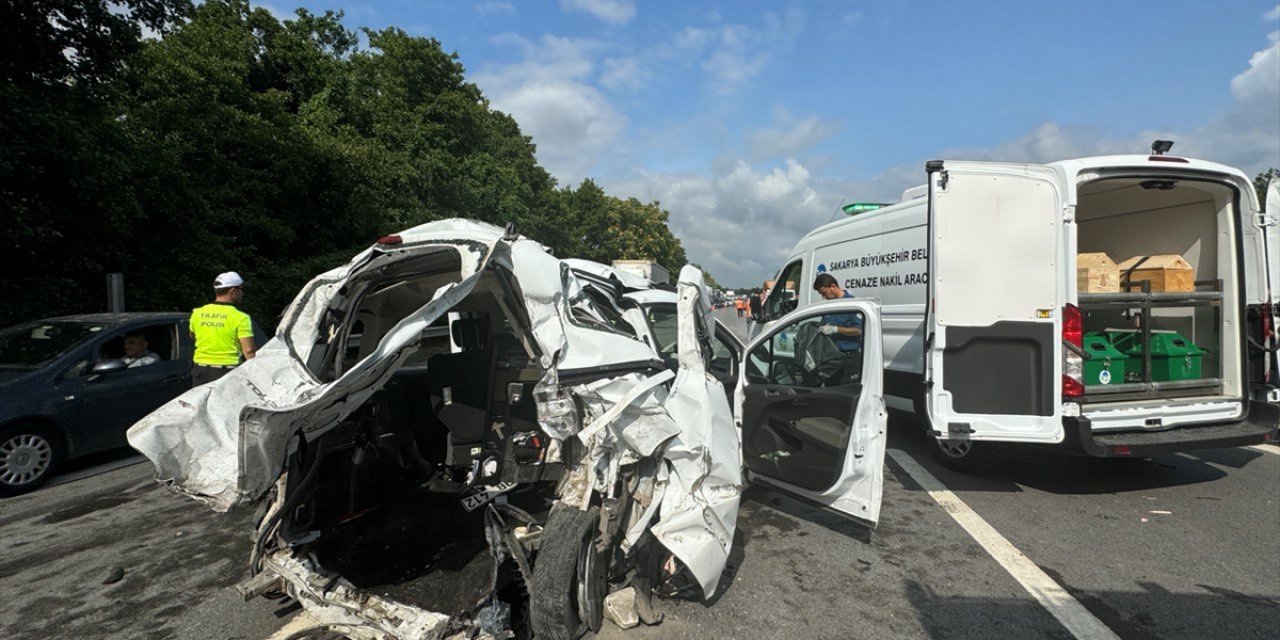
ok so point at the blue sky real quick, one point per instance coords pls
(752, 121)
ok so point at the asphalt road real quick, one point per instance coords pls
(1181, 546)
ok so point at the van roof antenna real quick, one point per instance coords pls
(1161, 147)
(838, 210)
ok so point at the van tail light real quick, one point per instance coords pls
(1072, 361)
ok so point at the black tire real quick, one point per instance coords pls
(965, 456)
(567, 594)
(29, 455)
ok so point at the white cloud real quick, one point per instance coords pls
(1259, 85)
(612, 11)
(1273, 14)
(625, 73)
(1246, 134)
(550, 95)
(793, 139)
(496, 8)
(739, 222)
(741, 53)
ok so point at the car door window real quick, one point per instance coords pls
(663, 324)
(810, 353)
(784, 295)
(724, 356)
(144, 345)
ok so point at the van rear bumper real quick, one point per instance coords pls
(1259, 425)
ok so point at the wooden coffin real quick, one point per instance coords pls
(1166, 273)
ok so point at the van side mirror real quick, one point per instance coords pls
(112, 365)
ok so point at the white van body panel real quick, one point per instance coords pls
(884, 256)
(1271, 219)
(884, 260)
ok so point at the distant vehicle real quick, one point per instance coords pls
(65, 391)
(647, 269)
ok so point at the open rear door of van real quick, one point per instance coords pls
(997, 266)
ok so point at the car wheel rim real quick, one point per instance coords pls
(587, 579)
(954, 449)
(24, 458)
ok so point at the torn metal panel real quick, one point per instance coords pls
(523, 366)
(699, 510)
(225, 443)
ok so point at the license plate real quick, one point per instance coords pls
(481, 496)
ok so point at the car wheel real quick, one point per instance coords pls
(964, 456)
(567, 594)
(29, 454)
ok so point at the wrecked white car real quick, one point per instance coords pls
(459, 435)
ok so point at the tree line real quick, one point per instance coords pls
(227, 139)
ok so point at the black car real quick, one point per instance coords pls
(66, 389)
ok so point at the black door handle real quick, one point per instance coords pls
(799, 402)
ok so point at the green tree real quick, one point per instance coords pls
(277, 148)
(66, 190)
(1260, 183)
(600, 227)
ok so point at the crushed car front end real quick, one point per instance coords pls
(450, 437)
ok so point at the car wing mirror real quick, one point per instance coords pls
(112, 365)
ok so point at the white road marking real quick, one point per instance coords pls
(93, 471)
(1077, 619)
(1266, 448)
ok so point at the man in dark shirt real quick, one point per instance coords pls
(845, 329)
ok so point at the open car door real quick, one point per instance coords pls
(994, 316)
(812, 408)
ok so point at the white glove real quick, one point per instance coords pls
(828, 329)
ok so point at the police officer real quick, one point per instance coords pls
(223, 333)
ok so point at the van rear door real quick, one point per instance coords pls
(997, 268)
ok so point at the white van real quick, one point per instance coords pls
(984, 328)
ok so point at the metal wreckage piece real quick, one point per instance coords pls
(633, 471)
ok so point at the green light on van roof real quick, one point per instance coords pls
(855, 208)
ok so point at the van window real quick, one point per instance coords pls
(785, 293)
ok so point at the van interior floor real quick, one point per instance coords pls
(419, 548)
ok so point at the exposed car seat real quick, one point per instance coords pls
(459, 383)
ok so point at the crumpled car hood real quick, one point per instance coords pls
(226, 442)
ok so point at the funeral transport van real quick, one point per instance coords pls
(995, 331)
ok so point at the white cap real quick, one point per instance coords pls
(227, 280)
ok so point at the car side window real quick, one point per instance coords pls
(785, 293)
(805, 353)
(723, 359)
(664, 325)
(146, 344)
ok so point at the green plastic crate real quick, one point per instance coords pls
(1104, 364)
(1173, 357)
